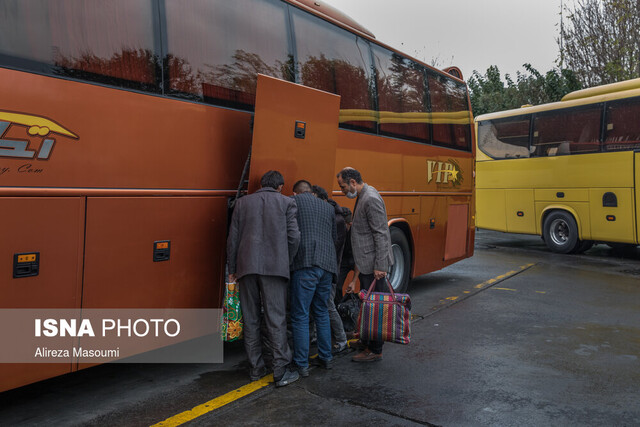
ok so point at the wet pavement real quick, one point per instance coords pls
(515, 335)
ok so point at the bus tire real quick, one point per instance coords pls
(561, 232)
(401, 269)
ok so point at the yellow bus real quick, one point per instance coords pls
(567, 170)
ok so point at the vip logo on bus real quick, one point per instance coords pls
(39, 136)
(444, 173)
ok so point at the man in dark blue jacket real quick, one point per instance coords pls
(314, 269)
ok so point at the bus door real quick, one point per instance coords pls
(295, 132)
(41, 267)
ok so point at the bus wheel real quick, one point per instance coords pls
(400, 271)
(561, 232)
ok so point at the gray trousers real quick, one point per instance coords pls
(337, 328)
(270, 294)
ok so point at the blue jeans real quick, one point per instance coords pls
(310, 290)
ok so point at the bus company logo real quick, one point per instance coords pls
(40, 133)
(444, 172)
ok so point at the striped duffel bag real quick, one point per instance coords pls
(384, 316)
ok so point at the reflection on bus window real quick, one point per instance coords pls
(216, 48)
(334, 60)
(569, 131)
(505, 138)
(402, 99)
(450, 112)
(622, 125)
(110, 42)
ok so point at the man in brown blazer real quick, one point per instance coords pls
(263, 240)
(370, 242)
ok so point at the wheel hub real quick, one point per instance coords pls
(559, 232)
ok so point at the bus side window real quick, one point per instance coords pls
(109, 42)
(622, 125)
(336, 61)
(216, 48)
(402, 100)
(449, 112)
(568, 131)
(505, 138)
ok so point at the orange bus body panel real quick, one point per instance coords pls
(125, 139)
(119, 267)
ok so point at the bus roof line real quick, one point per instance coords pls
(603, 90)
(336, 16)
(594, 99)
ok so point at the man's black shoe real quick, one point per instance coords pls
(303, 371)
(288, 378)
(256, 374)
(326, 364)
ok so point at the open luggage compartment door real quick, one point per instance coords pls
(295, 132)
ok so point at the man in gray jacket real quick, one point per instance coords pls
(370, 242)
(263, 239)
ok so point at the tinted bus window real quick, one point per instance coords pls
(402, 99)
(569, 131)
(505, 138)
(622, 125)
(450, 112)
(216, 48)
(110, 42)
(337, 61)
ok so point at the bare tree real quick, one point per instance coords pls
(601, 40)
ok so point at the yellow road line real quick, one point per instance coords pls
(489, 282)
(503, 276)
(216, 403)
(506, 289)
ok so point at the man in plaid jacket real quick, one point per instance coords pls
(314, 269)
(370, 242)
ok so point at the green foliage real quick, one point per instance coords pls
(490, 93)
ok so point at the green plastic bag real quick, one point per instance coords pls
(231, 313)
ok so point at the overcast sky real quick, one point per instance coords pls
(470, 34)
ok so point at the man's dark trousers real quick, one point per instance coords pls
(272, 291)
(381, 286)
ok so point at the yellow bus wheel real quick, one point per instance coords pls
(561, 232)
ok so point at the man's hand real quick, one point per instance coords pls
(351, 287)
(379, 274)
(232, 278)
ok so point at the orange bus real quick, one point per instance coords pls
(126, 126)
